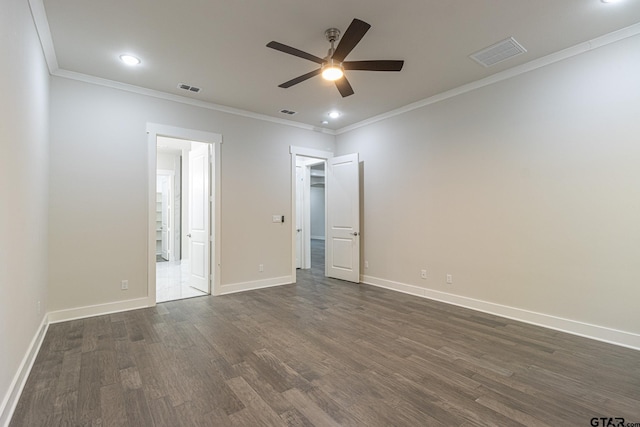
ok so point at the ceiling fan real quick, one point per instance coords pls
(333, 65)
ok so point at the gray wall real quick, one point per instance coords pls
(98, 213)
(317, 212)
(525, 191)
(24, 128)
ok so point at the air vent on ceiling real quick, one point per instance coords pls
(498, 52)
(289, 112)
(189, 88)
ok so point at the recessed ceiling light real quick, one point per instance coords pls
(325, 122)
(129, 59)
(610, 1)
(334, 114)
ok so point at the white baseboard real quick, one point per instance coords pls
(20, 379)
(256, 284)
(574, 327)
(99, 310)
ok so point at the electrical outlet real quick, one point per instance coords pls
(124, 285)
(449, 279)
(261, 267)
(423, 274)
(366, 264)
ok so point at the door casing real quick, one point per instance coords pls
(153, 131)
(305, 152)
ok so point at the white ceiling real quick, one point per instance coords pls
(220, 46)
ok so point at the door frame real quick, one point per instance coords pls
(153, 131)
(305, 152)
(305, 202)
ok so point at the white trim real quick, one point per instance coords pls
(20, 378)
(72, 75)
(256, 284)
(561, 55)
(39, 15)
(574, 327)
(184, 133)
(100, 309)
(215, 139)
(310, 152)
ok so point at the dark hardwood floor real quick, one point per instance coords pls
(322, 352)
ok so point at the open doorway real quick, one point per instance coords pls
(342, 213)
(310, 206)
(182, 218)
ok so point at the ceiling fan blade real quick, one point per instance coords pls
(373, 65)
(300, 79)
(344, 87)
(295, 52)
(356, 31)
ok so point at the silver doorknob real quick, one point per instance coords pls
(355, 233)
(299, 230)
(189, 235)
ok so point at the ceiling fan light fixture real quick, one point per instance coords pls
(332, 71)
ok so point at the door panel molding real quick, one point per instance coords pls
(342, 185)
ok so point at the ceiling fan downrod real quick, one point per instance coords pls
(332, 35)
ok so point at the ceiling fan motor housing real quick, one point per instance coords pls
(332, 34)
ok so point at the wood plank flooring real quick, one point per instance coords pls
(322, 353)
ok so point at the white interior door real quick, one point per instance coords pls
(199, 218)
(299, 215)
(165, 215)
(343, 218)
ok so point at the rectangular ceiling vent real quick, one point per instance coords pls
(498, 52)
(189, 88)
(288, 112)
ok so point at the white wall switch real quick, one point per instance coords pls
(423, 274)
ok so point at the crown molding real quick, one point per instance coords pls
(39, 15)
(72, 75)
(44, 33)
(561, 55)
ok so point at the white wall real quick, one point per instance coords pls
(526, 191)
(167, 161)
(23, 191)
(98, 212)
